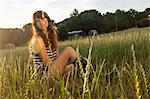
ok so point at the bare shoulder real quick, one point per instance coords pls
(35, 44)
(34, 40)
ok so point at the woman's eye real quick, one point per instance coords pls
(37, 21)
(44, 19)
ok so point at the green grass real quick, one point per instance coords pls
(125, 54)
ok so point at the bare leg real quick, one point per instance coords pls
(60, 64)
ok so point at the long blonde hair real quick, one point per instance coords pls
(42, 39)
(39, 32)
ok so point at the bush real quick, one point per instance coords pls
(143, 23)
(63, 30)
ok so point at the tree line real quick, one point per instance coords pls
(85, 21)
(104, 23)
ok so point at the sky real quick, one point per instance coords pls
(16, 13)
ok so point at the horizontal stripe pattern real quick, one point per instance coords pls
(37, 60)
(51, 54)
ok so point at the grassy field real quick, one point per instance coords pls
(123, 70)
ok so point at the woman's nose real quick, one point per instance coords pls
(42, 22)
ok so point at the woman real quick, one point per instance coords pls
(44, 50)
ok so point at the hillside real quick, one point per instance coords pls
(14, 37)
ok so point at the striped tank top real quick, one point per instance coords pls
(37, 59)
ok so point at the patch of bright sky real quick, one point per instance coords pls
(16, 13)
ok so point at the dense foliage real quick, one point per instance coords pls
(104, 23)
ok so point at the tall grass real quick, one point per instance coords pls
(123, 70)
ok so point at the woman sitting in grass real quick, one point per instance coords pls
(44, 50)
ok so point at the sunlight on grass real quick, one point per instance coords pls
(123, 68)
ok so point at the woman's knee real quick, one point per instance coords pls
(69, 48)
(72, 52)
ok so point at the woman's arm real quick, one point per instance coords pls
(56, 43)
(43, 52)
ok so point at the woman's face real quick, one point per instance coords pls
(42, 23)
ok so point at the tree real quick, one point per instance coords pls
(132, 12)
(143, 23)
(74, 13)
(63, 31)
(90, 20)
(147, 11)
(109, 22)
